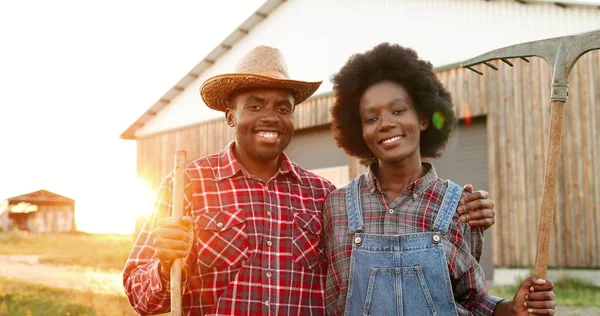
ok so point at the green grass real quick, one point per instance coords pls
(107, 252)
(569, 292)
(18, 298)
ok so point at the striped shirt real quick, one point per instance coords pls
(257, 247)
(414, 211)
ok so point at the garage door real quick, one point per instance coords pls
(465, 161)
(316, 149)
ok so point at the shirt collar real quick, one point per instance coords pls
(287, 166)
(417, 187)
(228, 166)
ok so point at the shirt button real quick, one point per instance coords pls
(267, 303)
(269, 213)
(436, 238)
(269, 274)
(391, 211)
(357, 239)
(220, 225)
(415, 196)
(269, 243)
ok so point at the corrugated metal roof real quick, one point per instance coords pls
(258, 16)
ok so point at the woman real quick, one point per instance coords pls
(393, 239)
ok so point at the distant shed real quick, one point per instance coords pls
(38, 212)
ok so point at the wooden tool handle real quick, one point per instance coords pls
(178, 184)
(557, 110)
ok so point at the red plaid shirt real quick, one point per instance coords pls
(414, 212)
(257, 249)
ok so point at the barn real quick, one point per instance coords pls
(38, 212)
(499, 145)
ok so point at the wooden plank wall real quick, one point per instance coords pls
(156, 153)
(516, 101)
(52, 218)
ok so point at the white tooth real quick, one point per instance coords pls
(269, 135)
(392, 139)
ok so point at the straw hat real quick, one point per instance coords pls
(262, 67)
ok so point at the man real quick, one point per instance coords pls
(251, 239)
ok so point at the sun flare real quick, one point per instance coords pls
(118, 215)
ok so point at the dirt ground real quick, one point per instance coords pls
(27, 268)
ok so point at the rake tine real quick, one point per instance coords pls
(506, 61)
(475, 71)
(490, 65)
(525, 59)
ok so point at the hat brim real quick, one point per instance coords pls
(216, 90)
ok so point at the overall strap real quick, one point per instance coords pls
(448, 207)
(353, 207)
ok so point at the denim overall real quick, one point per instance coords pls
(399, 274)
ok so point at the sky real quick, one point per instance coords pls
(75, 74)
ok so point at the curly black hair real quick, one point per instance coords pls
(390, 62)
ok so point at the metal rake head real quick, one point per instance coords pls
(561, 53)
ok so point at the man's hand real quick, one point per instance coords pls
(172, 239)
(476, 208)
(535, 296)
